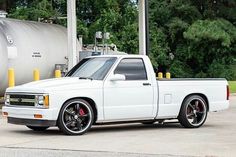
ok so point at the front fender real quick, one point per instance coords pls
(57, 99)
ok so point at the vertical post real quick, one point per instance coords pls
(57, 73)
(160, 75)
(147, 27)
(142, 27)
(168, 75)
(95, 43)
(103, 44)
(72, 33)
(36, 75)
(11, 77)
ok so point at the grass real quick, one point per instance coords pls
(232, 86)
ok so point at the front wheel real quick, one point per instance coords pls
(76, 117)
(193, 112)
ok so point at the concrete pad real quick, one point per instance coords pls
(216, 138)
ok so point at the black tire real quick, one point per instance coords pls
(37, 128)
(76, 117)
(193, 112)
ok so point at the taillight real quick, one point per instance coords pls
(228, 93)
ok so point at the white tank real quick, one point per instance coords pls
(26, 45)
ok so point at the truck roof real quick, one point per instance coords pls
(118, 56)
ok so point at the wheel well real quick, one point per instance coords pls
(91, 102)
(201, 95)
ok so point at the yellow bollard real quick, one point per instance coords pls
(160, 75)
(36, 75)
(11, 77)
(57, 73)
(168, 75)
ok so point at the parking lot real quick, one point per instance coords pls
(216, 138)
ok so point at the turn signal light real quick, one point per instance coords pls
(38, 116)
(46, 101)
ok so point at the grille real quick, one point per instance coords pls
(22, 100)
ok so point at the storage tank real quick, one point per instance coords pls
(26, 45)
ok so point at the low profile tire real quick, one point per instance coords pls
(193, 112)
(37, 128)
(76, 117)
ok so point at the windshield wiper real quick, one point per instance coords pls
(85, 78)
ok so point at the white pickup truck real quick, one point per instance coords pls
(106, 89)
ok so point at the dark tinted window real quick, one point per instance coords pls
(133, 69)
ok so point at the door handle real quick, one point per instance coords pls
(147, 84)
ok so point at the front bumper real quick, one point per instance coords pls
(31, 122)
(26, 116)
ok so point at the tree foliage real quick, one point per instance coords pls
(200, 34)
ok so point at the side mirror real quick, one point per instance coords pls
(117, 77)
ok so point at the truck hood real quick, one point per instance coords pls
(57, 84)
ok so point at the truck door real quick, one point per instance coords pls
(131, 98)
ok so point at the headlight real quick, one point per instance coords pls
(7, 99)
(42, 101)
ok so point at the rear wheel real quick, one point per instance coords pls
(193, 112)
(37, 128)
(76, 117)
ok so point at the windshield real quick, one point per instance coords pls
(92, 68)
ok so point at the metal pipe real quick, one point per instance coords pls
(147, 27)
(95, 43)
(142, 28)
(72, 32)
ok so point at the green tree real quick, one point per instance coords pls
(33, 10)
(200, 34)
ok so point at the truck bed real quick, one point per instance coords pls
(172, 92)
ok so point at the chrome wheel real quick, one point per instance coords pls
(193, 112)
(196, 112)
(76, 117)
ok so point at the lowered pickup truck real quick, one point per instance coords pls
(118, 89)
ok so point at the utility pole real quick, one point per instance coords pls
(72, 33)
(143, 27)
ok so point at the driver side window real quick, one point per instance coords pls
(132, 68)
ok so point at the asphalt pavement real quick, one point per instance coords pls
(215, 139)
